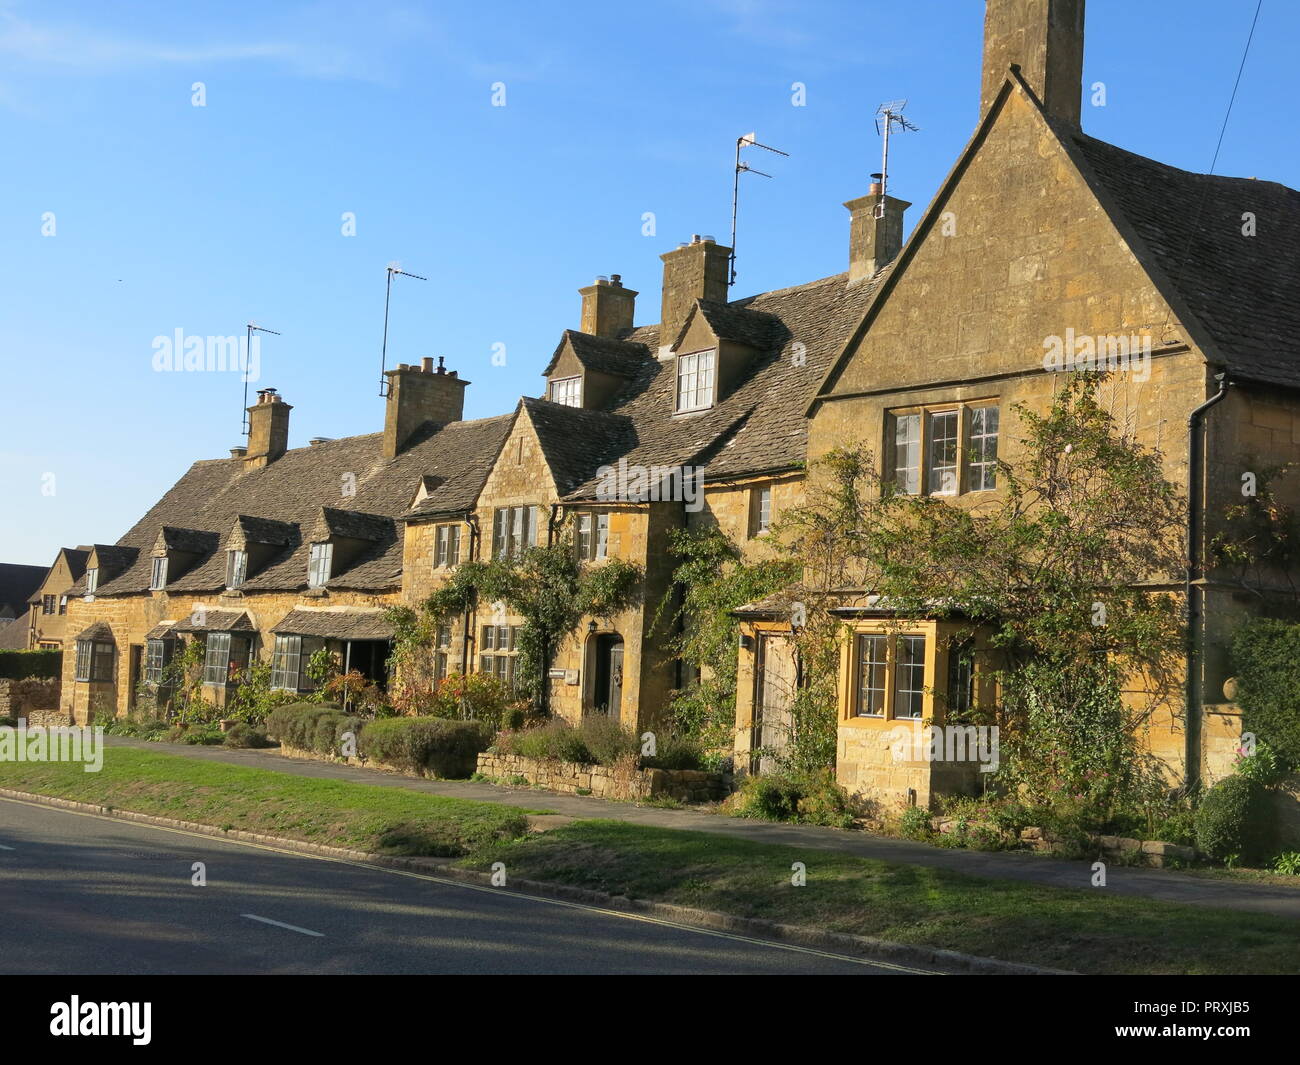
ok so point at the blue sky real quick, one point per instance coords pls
(170, 216)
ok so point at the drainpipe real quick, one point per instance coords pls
(1195, 486)
(468, 635)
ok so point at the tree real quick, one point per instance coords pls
(1066, 570)
(547, 586)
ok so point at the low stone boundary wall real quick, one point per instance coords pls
(33, 698)
(606, 782)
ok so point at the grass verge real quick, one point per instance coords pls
(1087, 931)
(336, 813)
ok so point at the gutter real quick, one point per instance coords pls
(1191, 588)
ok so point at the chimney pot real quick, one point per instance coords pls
(426, 364)
(238, 452)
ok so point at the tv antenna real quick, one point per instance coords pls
(393, 269)
(253, 327)
(749, 140)
(888, 115)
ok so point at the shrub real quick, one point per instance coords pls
(1233, 821)
(789, 795)
(242, 734)
(1266, 660)
(608, 741)
(206, 737)
(555, 741)
(915, 823)
(675, 752)
(1265, 767)
(446, 748)
(8, 722)
(1287, 862)
(772, 797)
(19, 664)
(295, 725)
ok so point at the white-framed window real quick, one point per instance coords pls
(446, 546)
(442, 653)
(225, 657)
(286, 662)
(498, 651)
(907, 453)
(593, 535)
(158, 653)
(927, 454)
(94, 660)
(872, 653)
(941, 469)
(92, 580)
(158, 575)
(760, 510)
(318, 565)
(909, 677)
(63, 604)
(695, 380)
(236, 568)
(983, 447)
(567, 390)
(513, 530)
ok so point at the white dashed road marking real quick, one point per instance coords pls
(281, 924)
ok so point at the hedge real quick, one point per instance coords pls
(1234, 821)
(441, 746)
(1266, 662)
(444, 747)
(17, 665)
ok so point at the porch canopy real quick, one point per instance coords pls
(235, 621)
(336, 623)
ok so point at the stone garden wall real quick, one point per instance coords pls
(606, 782)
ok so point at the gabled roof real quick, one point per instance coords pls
(462, 462)
(1235, 294)
(759, 426)
(186, 541)
(350, 525)
(265, 531)
(735, 322)
(17, 583)
(576, 442)
(622, 358)
(215, 621)
(351, 473)
(98, 631)
(1244, 291)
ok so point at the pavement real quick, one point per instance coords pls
(90, 895)
(1164, 884)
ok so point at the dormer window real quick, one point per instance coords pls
(318, 566)
(158, 575)
(92, 580)
(567, 390)
(236, 568)
(695, 380)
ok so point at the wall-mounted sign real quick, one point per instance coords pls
(571, 676)
(557, 674)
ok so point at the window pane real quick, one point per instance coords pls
(236, 568)
(216, 659)
(983, 449)
(871, 676)
(907, 453)
(584, 536)
(695, 380)
(961, 677)
(909, 677)
(602, 535)
(83, 660)
(941, 471)
(158, 578)
(92, 580)
(567, 390)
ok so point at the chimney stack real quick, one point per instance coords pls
(417, 395)
(697, 270)
(607, 307)
(268, 429)
(1044, 38)
(875, 231)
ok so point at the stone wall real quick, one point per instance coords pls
(605, 782)
(36, 699)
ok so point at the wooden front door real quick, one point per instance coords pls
(776, 679)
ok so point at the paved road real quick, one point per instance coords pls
(1166, 884)
(82, 894)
